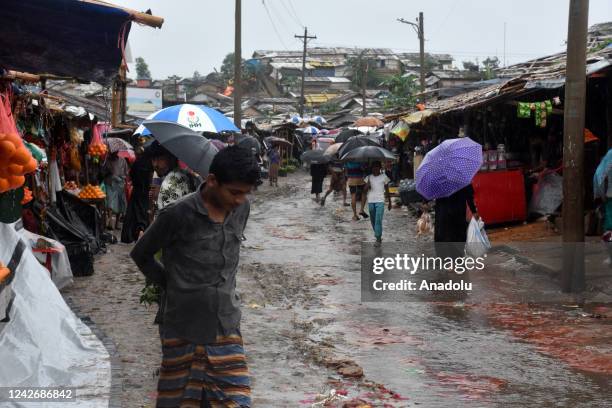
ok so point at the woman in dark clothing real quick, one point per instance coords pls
(450, 222)
(137, 217)
(318, 171)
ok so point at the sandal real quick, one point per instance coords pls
(355, 218)
(364, 215)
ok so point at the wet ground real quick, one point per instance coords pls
(308, 335)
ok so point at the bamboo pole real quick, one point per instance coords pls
(137, 16)
(24, 76)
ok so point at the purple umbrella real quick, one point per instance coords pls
(448, 168)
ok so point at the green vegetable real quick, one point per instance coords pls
(150, 294)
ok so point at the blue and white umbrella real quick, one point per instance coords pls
(310, 130)
(198, 118)
(296, 119)
(320, 120)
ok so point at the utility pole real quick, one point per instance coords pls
(504, 44)
(364, 81)
(573, 148)
(420, 30)
(238, 66)
(305, 39)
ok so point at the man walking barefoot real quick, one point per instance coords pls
(203, 359)
(337, 183)
(354, 174)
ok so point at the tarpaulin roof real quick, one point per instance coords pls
(63, 37)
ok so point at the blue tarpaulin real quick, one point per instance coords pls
(63, 37)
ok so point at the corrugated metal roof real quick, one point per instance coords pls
(290, 65)
(327, 79)
(320, 64)
(319, 98)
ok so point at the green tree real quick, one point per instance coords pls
(327, 108)
(142, 69)
(402, 89)
(227, 68)
(470, 66)
(430, 63)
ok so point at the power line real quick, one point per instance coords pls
(450, 11)
(295, 13)
(279, 17)
(263, 2)
(291, 15)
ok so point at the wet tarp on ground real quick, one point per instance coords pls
(44, 344)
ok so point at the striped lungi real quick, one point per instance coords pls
(204, 375)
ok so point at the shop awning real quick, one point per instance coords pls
(69, 38)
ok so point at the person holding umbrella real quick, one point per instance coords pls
(355, 176)
(177, 182)
(318, 171)
(337, 182)
(450, 223)
(445, 175)
(376, 187)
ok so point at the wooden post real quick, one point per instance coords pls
(573, 148)
(122, 92)
(116, 103)
(238, 66)
(422, 51)
(364, 82)
(305, 39)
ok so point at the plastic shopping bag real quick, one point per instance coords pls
(477, 243)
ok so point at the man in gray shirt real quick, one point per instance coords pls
(199, 236)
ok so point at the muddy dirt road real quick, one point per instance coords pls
(307, 332)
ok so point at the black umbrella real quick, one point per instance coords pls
(346, 134)
(355, 142)
(188, 146)
(248, 142)
(273, 140)
(367, 153)
(315, 156)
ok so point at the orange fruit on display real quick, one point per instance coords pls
(4, 185)
(15, 169)
(7, 149)
(22, 155)
(90, 192)
(16, 181)
(30, 166)
(15, 161)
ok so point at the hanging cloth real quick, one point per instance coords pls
(55, 182)
(523, 110)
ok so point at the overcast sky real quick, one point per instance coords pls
(197, 34)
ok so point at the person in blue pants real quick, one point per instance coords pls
(376, 187)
